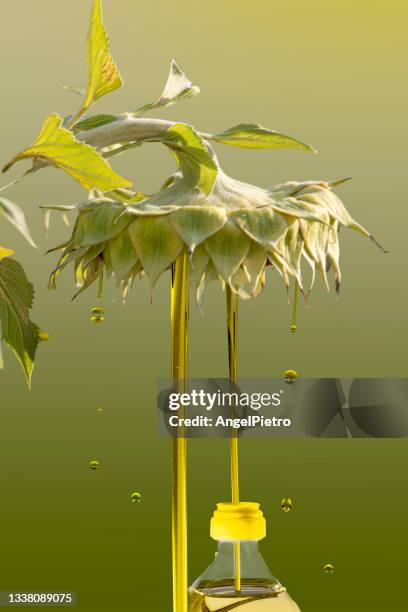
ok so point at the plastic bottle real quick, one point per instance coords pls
(239, 578)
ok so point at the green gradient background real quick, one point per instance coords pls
(331, 73)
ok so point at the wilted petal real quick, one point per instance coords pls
(209, 275)
(280, 266)
(316, 237)
(199, 262)
(312, 265)
(291, 246)
(333, 256)
(253, 266)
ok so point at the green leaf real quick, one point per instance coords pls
(58, 146)
(178, 88)
(16, 298)
(103, 75)
(15, 215)
(193, 156)
(254, 136)
(94, 122)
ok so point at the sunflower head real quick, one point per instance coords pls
(233, 234)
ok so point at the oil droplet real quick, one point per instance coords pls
(94, 465)
(293, 329)
(136, 497)
(291, 376)
(328, 568)
(97, 315)
(286, 504)
(43, 336)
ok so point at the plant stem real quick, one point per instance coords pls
(232, 326)
(179, 362)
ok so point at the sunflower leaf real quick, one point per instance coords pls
(178, 88)
(17, 330)
(103, 75)
(192, 155)
(59, 147)
(255, 136)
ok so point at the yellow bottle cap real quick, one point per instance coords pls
(244, 521)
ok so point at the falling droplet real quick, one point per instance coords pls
(286, 504)
(94, 465)
(100, 284)
(328, 568)
(291, 376)
(97, 315)
(99, 410)
(136, 498)
(293, 327)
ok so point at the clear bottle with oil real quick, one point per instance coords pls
(241, 582)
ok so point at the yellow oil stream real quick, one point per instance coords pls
(293, 327)
(179, 361)
(232, 324)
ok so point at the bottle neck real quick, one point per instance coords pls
(255, 574)
(249, 547)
